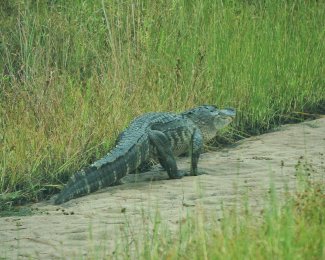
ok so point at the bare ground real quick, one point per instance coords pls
(81, 226)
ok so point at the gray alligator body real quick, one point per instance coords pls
(160, 136)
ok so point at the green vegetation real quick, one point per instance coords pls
(74, 73)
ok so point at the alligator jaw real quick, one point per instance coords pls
(224, 117)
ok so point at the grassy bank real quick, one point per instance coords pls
(74, 73)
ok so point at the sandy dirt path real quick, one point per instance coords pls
(99, 220)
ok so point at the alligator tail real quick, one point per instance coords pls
(86, 181)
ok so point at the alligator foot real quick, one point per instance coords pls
(196, 173)
(179, 174)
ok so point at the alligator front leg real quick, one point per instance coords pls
(196, 148)
(165, 155)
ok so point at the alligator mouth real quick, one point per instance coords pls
(228, 112)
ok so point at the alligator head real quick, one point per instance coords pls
(209, 119)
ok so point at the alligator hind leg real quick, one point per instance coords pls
(165, 155)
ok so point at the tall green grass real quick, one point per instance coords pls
(74, 73)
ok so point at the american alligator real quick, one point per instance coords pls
(158, 135)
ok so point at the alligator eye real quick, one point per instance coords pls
(211, 108)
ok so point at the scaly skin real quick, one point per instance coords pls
(155, 135)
